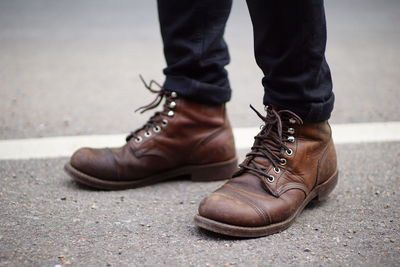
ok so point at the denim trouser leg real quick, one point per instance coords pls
(194, 48)
(289, 43)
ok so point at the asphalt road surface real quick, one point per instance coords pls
(71, 68)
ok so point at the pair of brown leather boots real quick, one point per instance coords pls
(290, 164)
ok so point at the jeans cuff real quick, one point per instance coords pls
(198, 91)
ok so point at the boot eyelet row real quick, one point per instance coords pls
(164, 122)
(172, 104)
(270, 178)
(289, 152)
(156, 129)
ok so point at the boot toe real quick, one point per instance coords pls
(97, 163)
(228, 209)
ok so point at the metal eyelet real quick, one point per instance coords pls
(262, 126)
(164, 123)
(270, 178)
(172, 104)
(291, 139)
(170, 113)
(174, 95)
(277, 170)
(138, 139)
(290, 130)
(156, 129)
(147, 134)
(292, 121)
(289, 152)
(283, 162)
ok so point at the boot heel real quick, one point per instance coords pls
(215, 171)
(326, 188)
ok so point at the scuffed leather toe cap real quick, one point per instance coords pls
(232, 210)
(98, 163)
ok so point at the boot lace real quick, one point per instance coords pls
(270, 142)
(159, 117)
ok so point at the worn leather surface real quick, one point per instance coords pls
(249, 199)
(196, 134)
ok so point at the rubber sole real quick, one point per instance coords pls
(207, 172)
(320, 192)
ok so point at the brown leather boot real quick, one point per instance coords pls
(290, 164)
(186, 138)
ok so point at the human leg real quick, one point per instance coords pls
(194, 48)
(293, 158)
(191, 135)
(289, 43)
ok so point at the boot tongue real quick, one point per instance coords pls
(262, 162)
(267, 143)
(269, 136)
(267, 147)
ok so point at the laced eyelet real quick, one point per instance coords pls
(291, 139)
(170, 113)
(290, 130)
(270, 178)
(283, 162)
(289, 152)
(262, 126)
(174, 95)
(164, 123)
(277, 170)
(172, 104)
(147, 134)
(292, 121)
(138, 139)
(156, 129)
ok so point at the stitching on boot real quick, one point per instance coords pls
(264, 215)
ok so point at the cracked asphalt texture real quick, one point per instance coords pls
(70, 67)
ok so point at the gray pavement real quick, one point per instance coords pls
(46, 216)
(70, 67)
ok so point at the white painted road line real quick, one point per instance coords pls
(64, 146)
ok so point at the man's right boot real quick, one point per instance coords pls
(185, 139)
(290, 163)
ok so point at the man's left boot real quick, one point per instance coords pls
(290, 164)
(186, 138)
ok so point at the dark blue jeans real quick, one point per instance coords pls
(289, 43)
